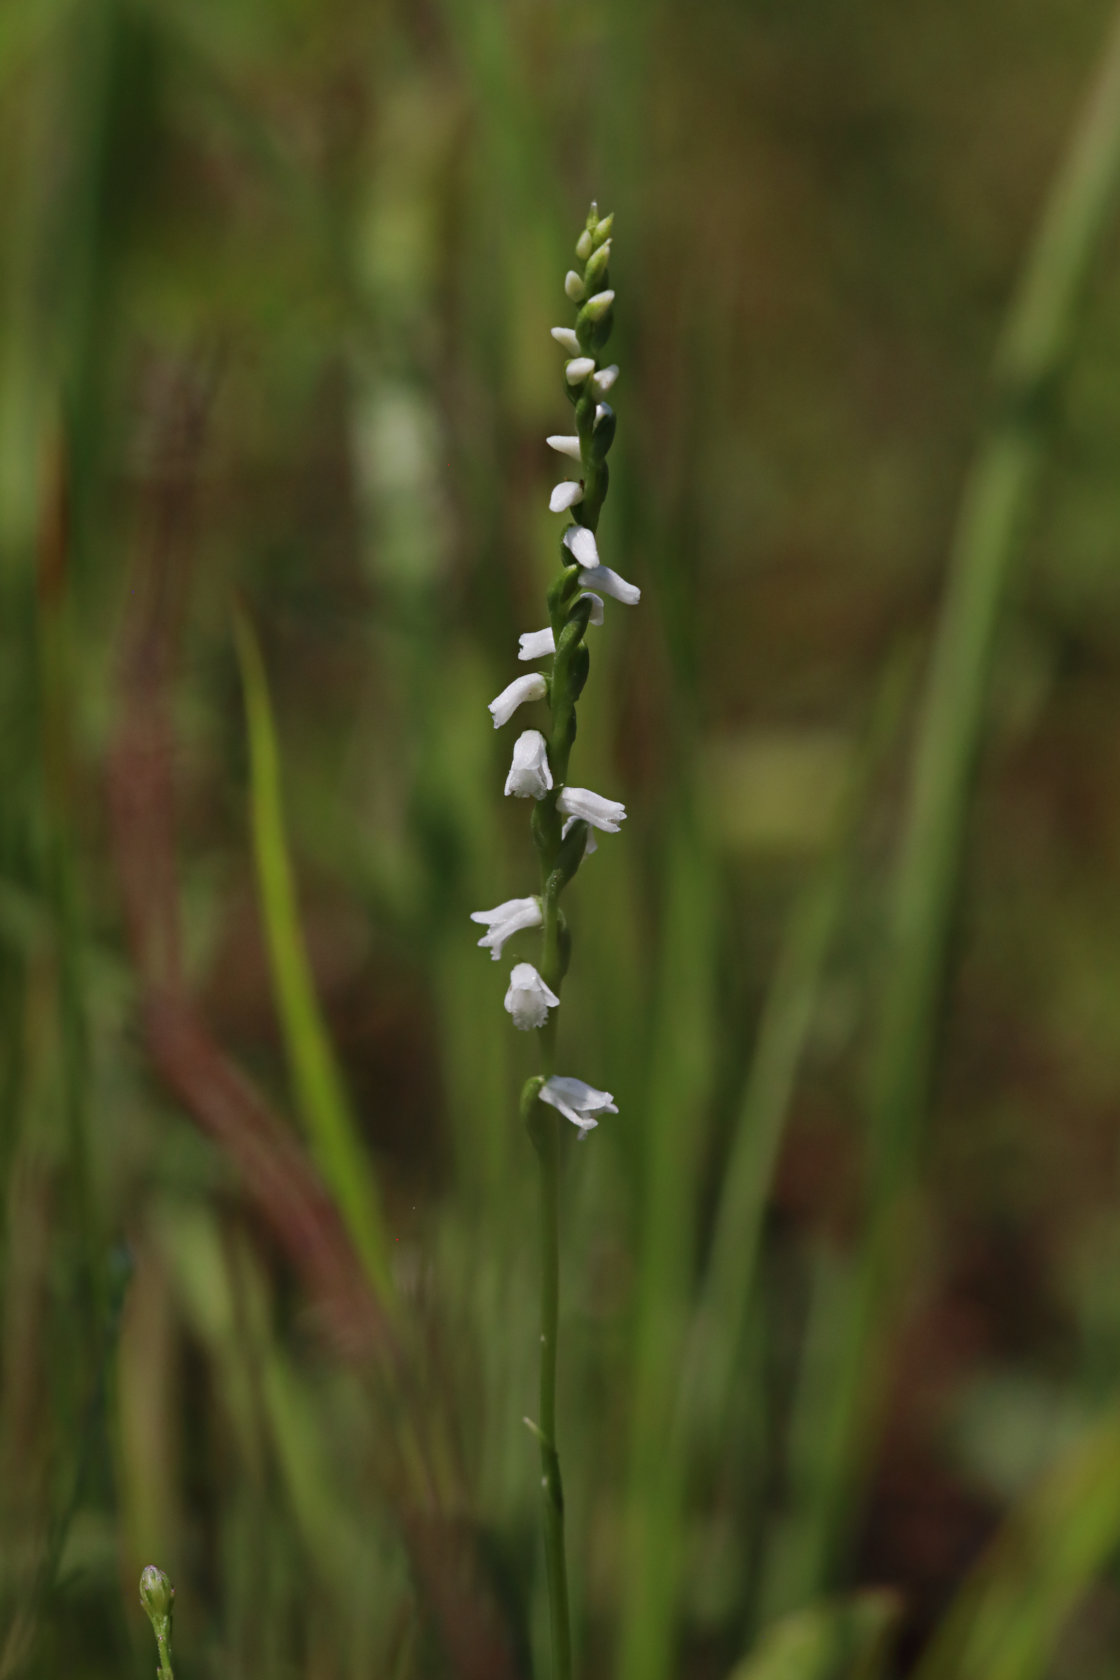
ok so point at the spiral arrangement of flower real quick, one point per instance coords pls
(565, 819)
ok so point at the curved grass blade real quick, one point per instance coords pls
(320, 1092)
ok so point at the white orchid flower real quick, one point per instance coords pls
(514, 916)
(528, 998)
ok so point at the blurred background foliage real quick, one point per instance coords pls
(277, 284)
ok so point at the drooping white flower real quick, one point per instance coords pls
(581, 544)
(596, 605)
(604, 379)
(577, 1101)
(611, 584)
(565, 495)
(577, 370)
(530, 776)
(530, 687)
(514, 916)
(535, 644)
(607, 814)
(528, 998)
(574, 286)
(566, 339)
(565, 446)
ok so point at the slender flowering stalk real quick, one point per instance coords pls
(563, 822)
(157, 1595)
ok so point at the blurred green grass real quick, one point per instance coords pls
(277, 282)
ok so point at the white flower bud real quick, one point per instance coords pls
(605, 814)
(583, 246)
(514, 916)
(596, 307)
(574, 286)
(565, 446)
(529, 774)
(580, 543)
(604, 379)
(596, 606)
(565, 495)
(536, 644)
(577, 370)
(566, 339)
(530, 687)
(528, 998)
(601, 577)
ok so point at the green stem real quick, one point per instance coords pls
(547, 1138)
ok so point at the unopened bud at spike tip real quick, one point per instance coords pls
(157, 1595)
(603, 229)
(584, 246)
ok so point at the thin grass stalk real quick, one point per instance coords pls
(1029, 365)
(728, 1282)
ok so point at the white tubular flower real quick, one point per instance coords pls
(514, 916)
(565, 495)
(577, 370)
(596, 606)
(565, 446)
(574, 286)
(532, 687)
(535, 644)
(530, 776)
(601, 412)
(606, 814)
(581, 544)
(604, 379)
(611, 584)
(577, 1101)
(528, 998)
(566, 339)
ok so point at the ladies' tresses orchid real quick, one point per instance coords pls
(605, 814)
(611, 584)
(565, 819)
(578, 1102)
(528, 998)
(529, 775)
(565, 495)
(581, 545)
(502, 708)
(565, 446)
(514, 916)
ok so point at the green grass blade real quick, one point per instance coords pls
(847, 1640)
(1008, 1619)
(320, 1092)
(988, 537)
